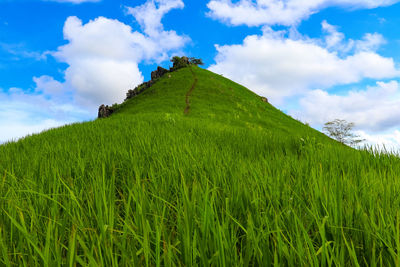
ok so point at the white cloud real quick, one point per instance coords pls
(335, 40)
(149, 15)
(387, 142)
(279, 67)
(19, 51)
(12, 131)
(283, 12)
(370, 42)
(49, 87)
(157, 42)
(375, 109)
(103, 55)
(24, 113)
(281, 64)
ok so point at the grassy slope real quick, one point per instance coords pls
(233, 182)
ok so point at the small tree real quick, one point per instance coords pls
(341, 130)
(196, 61)
(179, 62)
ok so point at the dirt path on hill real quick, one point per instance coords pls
(187, 108)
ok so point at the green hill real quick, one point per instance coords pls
(196, 171)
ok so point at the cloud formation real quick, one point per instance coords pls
(149, 15)
(375, 109)
(375, 112)
(281, 12)
(387, 142)
(23, 113)
(102, 60)
(103, 54)
(19, 51)
(278, 67)
(336, 41)
(283, 64)
(102, 57)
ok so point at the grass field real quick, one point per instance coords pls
(233, 182)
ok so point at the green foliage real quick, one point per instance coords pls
(235, 182)
(179, 63)
(115, 107)
(196, 61)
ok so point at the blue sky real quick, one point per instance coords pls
(317, 60)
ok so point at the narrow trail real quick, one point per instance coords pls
(187, 108)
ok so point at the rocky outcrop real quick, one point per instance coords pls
(178, 62)
(104, 111)
(138, 89)
(158, 73)
(264, 99)
(186, 60)
(155, 75)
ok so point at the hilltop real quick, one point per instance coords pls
(196, 170)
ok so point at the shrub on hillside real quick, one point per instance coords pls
(138, 89)
(196, 61)
(179, 62)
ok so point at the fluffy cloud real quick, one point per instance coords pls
(23, 113)
(157, 42)
(375, 109)
(279, 67)
(50, 87)
(103, 55)
(149, 15)
(282, 64)
(375, 112)
(283, 12)
(335, 40)
(370, 42)
(18, 129)
(388, 142)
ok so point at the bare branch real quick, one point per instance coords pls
(341, 130)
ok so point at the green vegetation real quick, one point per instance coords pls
(183, 62)
(179, 63)
(233, 182)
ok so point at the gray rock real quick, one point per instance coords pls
(138, 89)
(158, 73)
(104, 111)
(186, 60)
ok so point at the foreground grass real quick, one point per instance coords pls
(151, 186)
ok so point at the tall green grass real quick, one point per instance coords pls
(233, 183)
